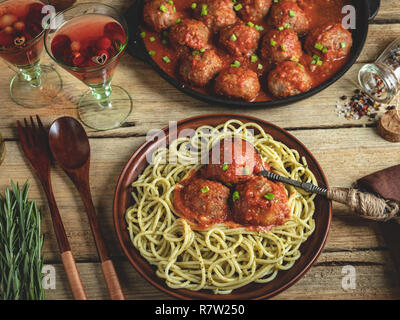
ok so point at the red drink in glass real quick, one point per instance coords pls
(20, 26)
(88, 46)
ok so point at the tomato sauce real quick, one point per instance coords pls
(319, 12)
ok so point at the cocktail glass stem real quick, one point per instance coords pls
(32, 74)
(102, 94)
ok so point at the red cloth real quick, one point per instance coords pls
(385, 183)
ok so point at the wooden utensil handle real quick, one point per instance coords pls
(111, 278)
(74, 279)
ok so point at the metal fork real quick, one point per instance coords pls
(35, 144)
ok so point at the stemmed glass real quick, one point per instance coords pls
(88, 40)
(21, 44)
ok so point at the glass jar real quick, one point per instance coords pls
(381, 80)
(2, 149)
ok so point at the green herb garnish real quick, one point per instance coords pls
(269, 196)
(225, 166)
(235, 196)
(21, 243)
(205, 189)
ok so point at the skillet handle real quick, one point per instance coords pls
(373, 6)
(136, 46)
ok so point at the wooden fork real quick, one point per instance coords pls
(34, 142)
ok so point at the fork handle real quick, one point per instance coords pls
(78, 292)
(74, 280)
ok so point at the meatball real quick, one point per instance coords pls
(278, 46)
(287, 14)
(331, 42)
(288, 79)
(254, 10)
(191, 33)
(232, 161)
(160, 14)
(239, 39)
(260, 202)
(199, 69)
(202, 202)
(216, 13)
(238, 82)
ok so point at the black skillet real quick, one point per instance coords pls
(366, 10)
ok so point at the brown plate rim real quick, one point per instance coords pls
(203, 294)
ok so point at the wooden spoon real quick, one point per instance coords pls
(70, 147)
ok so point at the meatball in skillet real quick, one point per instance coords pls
(330, 42)
(278, 46)
(287, 14)
(200, 68)
(254, 10)
(238, 82)
(191, 33)
(216, 13)
(288, 79)
(239, 39)
(160, 14)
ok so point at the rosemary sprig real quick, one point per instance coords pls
(21, 243)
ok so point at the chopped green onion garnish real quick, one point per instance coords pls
(325, 50)
(166, 59)
(170, 2)
(273, 43)
(235, 64)
(238, 7)
(294, 59)
(283, 47)
(179, 20)
(195, 52)
(174, 9)
(143, 34)
(269, 196)
(281, 28)
(253, 58)
(292, 13)
(202, 49)
(225, 166)
(259, 66)
(194, 5)
(205, 189)
(319, 46)
(259, 28)
(233, 37)
(250, 24)
(152, 53)
(246, 171)
(287, 26)
(235, 196)
(343, 45)
(203, 10)
(163, 8)
(319, 62)
(152, 39)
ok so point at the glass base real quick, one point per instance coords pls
(29, 96)
(99, 117)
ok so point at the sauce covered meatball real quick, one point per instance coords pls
(239, 39)
(288, 79)
(200, 68)
(232, 161)
(254, 10)
(216, 13)
(287, 14)
(160, 14)
(330, 42)
(191, 33)
(238, 83)
(260, 202)
(202, 202)
(281, 45)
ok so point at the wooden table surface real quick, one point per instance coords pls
(346, 150)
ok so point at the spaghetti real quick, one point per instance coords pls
(220, 258)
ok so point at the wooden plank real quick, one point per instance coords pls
(341, 153)
(320, 282)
